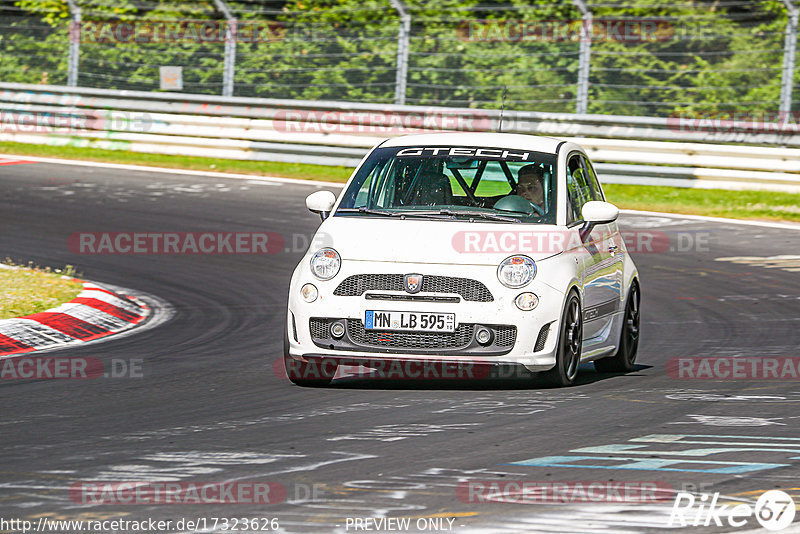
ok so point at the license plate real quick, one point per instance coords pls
(410, 321)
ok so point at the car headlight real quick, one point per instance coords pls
(516, 271)
(325, 263)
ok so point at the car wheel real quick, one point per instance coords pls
(570, 341)
(625, 357)
(314, 373)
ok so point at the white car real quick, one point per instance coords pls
(429, 255)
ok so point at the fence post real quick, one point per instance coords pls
(74, 43)
(403, 44)
(584, 57)
(789, 51)
(231, 36)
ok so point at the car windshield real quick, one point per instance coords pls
(449, 182)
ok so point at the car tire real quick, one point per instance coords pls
(570, 342)
(624, 359)
(311, 374)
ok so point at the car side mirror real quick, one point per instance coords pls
(597, 212)
(321, 202)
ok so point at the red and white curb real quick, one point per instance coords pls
(4, 161)
(95, 313)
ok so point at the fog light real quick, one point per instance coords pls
(309, 292)
(484, 336)
(526, 301)
(337, 330)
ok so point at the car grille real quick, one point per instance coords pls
(319, 328)
(505, 336)
(412, 340)
(463, 337)
(469, 289)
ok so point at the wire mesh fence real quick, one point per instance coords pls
(640, 57)
(32, 46)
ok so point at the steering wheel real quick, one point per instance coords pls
(536, 207)
(518, 204)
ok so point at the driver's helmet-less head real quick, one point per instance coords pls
(531, 184)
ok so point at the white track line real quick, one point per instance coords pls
(765, 224)
(269, 179)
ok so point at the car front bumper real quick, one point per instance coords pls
(515, 332)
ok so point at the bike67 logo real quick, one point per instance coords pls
(774, 510)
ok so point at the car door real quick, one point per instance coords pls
(612, 239)
(601, 292)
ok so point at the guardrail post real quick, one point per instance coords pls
(403, 45)
(584, 57)
(789, 51)
(229, 67)
(74, 43)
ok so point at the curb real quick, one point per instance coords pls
(95, 313)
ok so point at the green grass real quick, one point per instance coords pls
(764, 205)
(27, 290)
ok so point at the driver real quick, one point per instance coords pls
(530, 184)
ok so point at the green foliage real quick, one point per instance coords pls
(52, 12)
(695, 57)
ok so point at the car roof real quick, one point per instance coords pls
(481, 139)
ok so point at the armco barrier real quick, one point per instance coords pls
(646, 150)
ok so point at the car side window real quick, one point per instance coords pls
(578, 188)
(374, 181)
(591, 178)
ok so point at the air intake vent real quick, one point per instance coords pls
(542, 339)
(294, 329)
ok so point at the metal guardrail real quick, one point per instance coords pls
(665, 151)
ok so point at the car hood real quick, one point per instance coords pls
(432, 241)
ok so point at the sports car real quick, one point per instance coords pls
(486, 249)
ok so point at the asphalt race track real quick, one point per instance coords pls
(211, 406)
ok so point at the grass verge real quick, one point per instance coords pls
(27, 290)
(761, 205)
